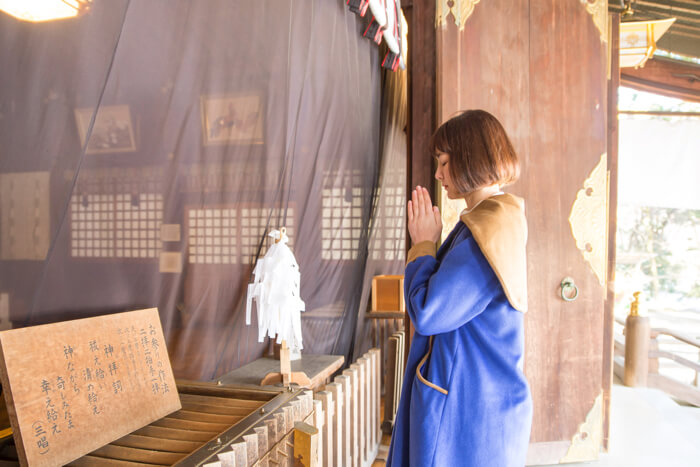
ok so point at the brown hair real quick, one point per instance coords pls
(480, 152)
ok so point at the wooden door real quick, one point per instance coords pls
(540, 67)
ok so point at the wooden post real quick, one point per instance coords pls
(285, 364)
(308, 402)
(297, 410)
(241, 453)
(273, 437)
(286, 376)
(318, 420)
(326, 440)
(389, 387)
(227, 459)
(361, 400)
(654, 346)
(345, 382)
(352, 373)
(263, 439)
(251, 441)
(288, 417)
(376, 415)
(336, 389)
(366, 363)
(637, 336)
(281, 425)
(306, 445)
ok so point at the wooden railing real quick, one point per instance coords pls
(346, 415)
(337, 426)
(629, 352)
(389, 336)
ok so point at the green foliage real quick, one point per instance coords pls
(695, 290)
(645, 234)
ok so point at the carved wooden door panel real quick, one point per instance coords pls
(540, 67)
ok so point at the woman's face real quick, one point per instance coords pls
(442, 173)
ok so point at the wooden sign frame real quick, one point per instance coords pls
(74, 386)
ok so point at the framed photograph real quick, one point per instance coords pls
(112, 132)
(232, 119)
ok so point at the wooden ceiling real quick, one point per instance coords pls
(684, 35)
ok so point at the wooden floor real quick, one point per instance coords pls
(380, 461)
(648, 429)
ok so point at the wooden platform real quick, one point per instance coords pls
(319, 369)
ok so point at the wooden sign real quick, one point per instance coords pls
(387, 293)
(74, 386)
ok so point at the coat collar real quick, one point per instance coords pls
(499, 227)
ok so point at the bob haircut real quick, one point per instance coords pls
(480, 152)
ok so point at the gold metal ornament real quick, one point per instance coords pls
(461, 11)
(586, 443)
(598, 9)
(589, 219)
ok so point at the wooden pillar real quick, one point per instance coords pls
(613, 142)
(637, 336)
(422, 40)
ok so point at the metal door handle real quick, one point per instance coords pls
(567, 287)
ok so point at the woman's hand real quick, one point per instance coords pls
(424, 221)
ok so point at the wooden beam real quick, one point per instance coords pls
(681, 43)
(667, 77)
(675, 388)
(659, 113)
(691, 13)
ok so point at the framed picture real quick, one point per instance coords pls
(112, 132)
(232, 119)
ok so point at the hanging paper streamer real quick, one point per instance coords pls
(391, 29)
(385, 24)
(373, 31)
(358, 6)
(378, 9)
(275, 291)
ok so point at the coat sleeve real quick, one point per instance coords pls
(443, 296)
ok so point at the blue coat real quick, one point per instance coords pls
(465, 400)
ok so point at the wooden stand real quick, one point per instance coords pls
(286, 376)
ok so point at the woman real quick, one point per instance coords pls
(465, 400)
